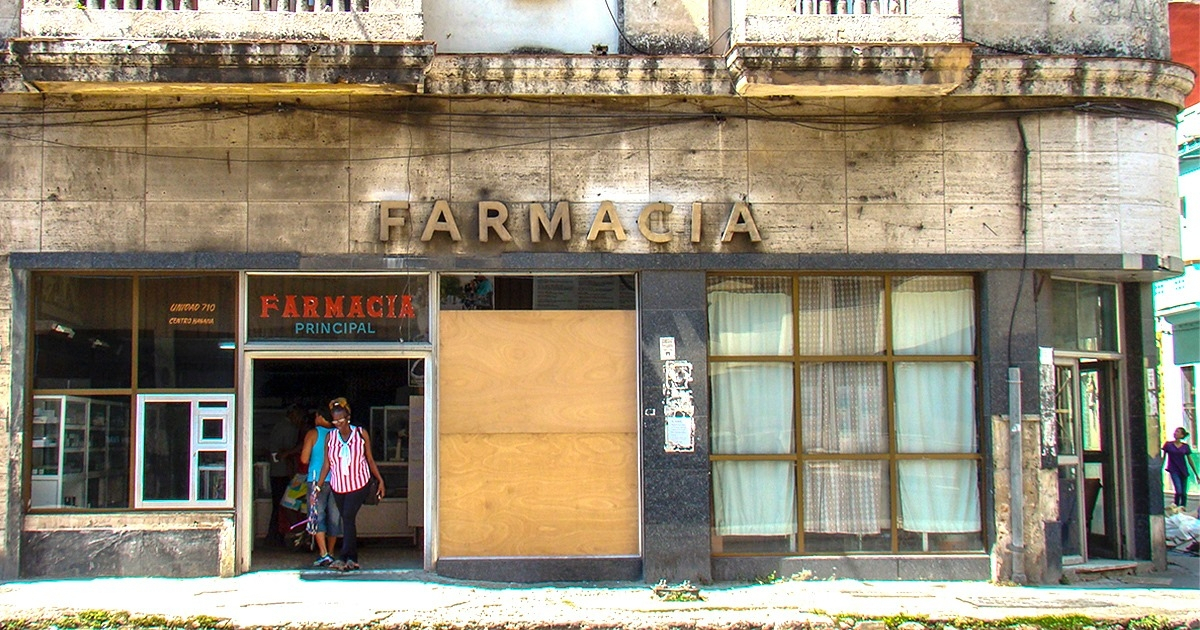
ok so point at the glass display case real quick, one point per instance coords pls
(80, 452)
(389, 445)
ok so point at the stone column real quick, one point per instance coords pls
(13, 303)
(1010, 338)
(675, 485)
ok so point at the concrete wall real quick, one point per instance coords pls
(1126, 28)
(264, 176)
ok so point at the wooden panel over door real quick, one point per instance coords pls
(537, 371)
(537, 429)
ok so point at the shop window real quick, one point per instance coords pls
(1085, 316)
(843, 414)
(83, 332)
(186, 332)
(82, 450)
(184, 451)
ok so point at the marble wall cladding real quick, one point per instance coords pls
(120, 552)
(814, 183)
(675, 487)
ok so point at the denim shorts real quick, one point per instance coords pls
(323, 515)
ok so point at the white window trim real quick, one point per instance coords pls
(203, 406)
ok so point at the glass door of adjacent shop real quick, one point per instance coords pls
(1087, 446)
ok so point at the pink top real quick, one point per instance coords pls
(347, 459)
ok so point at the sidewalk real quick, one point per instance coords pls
(415, 599)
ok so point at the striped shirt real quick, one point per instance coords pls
(347, 457)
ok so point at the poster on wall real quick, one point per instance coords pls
(679, 408)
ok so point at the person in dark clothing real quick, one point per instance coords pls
(1179, 465)
(284, 445)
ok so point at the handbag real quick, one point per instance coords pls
(372, 492)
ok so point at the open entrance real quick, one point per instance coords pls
(1089, 444)
(386, 398)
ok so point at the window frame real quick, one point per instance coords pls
(892, 458)
(131, 393)
(197, 444)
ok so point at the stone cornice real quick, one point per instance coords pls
(818, 70)
(578, 75)
(1079, 77)
(52, 65)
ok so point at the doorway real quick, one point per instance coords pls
(387, 399)
(1088, 445)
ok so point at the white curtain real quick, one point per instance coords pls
(754, 498)
(749, 324)
(752, 407)
(935, 413)
(933, 315)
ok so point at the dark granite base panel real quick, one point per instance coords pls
(530, 570)
(749, 569)
(120, 553)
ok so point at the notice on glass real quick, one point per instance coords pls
(681, 435)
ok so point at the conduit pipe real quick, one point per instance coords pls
(1016, 482)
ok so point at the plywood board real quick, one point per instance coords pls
(537, 372)
(515, 494)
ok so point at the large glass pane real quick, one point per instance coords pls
(754, 506)
(752, 408)
(846, 506)
(479, 292)
(350, 308)
(167, 444)
(83, 332)
(1085, 316)
(840, 316)
(933, 315)
(186, 331)
(939, 505)
(749, 316)
(210, 472)
(842, 408)
(935, 407)
(80, 452)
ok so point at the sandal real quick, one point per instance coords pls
(352, 566)
(338, 565)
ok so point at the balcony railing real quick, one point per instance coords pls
(225, 20)
(851, 7)
(292, 6)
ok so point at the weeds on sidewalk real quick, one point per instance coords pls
(104, 619)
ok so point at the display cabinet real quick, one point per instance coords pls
(389, 444)
(79, 452)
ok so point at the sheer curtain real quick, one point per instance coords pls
(935, 403)
(842, 411)
(842, 404)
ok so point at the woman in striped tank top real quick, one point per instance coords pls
(348, 457)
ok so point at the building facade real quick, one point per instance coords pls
(637, 290)
(1177, 300)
